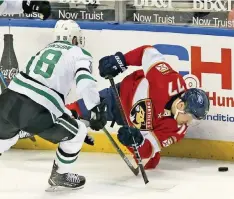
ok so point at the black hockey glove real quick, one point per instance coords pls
(112, 65)
(125, 137)
(42, 7)
(98, 116)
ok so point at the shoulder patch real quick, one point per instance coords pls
(162, 68)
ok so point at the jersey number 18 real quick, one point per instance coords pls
(49, 58)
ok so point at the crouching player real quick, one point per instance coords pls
(156, 102)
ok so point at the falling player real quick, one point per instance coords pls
(34, 102)
(25, 6)
(155, 99)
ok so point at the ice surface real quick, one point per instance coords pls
(24, 175)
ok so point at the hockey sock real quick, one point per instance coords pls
(68, 151)
(64, 160)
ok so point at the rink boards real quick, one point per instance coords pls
(202, 55)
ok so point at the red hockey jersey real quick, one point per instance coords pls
(145, 95)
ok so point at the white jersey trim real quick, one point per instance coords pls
(182, 130)
(151, 57)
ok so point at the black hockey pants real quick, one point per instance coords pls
(18, 112)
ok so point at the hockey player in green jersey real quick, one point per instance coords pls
(34, 102)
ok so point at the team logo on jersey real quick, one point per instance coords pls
(163, 68)
(142, 115)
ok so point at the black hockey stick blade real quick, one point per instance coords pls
(122, 155)
(136, 152)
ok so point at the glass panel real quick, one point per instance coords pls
(82, 10)
(96, 10)
(205, 13)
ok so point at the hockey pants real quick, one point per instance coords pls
(18, 112)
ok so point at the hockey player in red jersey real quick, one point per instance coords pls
(155, 99)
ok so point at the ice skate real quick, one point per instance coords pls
(66, 181)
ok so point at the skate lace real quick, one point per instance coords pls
(73, 177)
(23, 134)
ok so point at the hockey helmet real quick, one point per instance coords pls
(66, 30)
(196, 102)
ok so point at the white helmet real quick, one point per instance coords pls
(66, 30)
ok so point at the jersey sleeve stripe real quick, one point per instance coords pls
(82, 69)
(156, 139)
(182, 129)
(153, 140)
(153, 65)
(72, 128)
(86, 52)
(150, 58)
(84, 76)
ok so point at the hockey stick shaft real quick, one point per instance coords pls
(115, 145)
(136, 152)
(3, 81)
(122, 155)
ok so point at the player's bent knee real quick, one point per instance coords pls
(5, 145)
(82, 130)
(75, 144)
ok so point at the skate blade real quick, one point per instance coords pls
(62, 189)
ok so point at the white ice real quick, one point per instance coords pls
(24, 175)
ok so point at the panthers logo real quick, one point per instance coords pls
(141, 115)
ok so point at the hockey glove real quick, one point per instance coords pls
(125, 137)
(112, 65)
(42, 7)
(98, 116)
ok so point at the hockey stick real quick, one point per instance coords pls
(123, 156)
(3, 81)
(136, 152)
(115, 145)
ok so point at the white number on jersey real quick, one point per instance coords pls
(178, 89)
